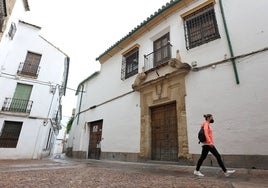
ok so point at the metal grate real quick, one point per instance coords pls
(130, 64)
(201, 27)
(17, 105)
(10, 134)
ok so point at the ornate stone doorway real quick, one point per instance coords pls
(160, 92)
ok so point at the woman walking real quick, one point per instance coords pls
(208, 146)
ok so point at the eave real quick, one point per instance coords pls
(85, 80)
(156, 18)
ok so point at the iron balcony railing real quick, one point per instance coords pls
(157, 57)
(17, 105)
(28, 69)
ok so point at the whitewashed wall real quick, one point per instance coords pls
(34, 134)
(239, 110)
(241, 122)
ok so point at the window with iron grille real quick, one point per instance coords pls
(201, 27)
(130, 64)
(10, 134)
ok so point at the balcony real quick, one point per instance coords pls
(28, 69)
(17, 105)
(158, 57)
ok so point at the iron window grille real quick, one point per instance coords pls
(130, 64)
(10, 134)
(201, 27)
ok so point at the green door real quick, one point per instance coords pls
(21, 98)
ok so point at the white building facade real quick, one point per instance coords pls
(33, 80)
(190, 58)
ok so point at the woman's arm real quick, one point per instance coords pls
(209, 140)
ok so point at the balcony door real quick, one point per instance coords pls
(21, 98)
(31, 64)
(161, 50)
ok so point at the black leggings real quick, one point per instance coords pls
(213, 150)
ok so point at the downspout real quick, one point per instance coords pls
(80, 103)
(229, 43)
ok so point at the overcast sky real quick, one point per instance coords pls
(84, 29)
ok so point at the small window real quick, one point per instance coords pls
(12, 30)
(201, 27)
(130, 63)
(10, 134)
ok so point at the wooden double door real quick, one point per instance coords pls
(164, 133)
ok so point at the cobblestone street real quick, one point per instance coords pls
(72, 173)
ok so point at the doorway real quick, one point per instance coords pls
(95, 137)
(164, 132)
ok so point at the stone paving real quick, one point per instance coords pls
(72, 173)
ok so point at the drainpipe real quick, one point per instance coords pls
(79, 108)
(229, 43)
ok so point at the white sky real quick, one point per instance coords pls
(84, 29)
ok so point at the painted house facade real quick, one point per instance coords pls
(189, 58)
(6, 9)
(33, 80)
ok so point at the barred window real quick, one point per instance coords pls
(201, 27)
(10, 134)
(130, 64)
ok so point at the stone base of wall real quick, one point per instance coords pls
(69, 152)
(79, 154)
(44, 154)
(118, 156)
(236, 161)
(76, 154)
(230, 161)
